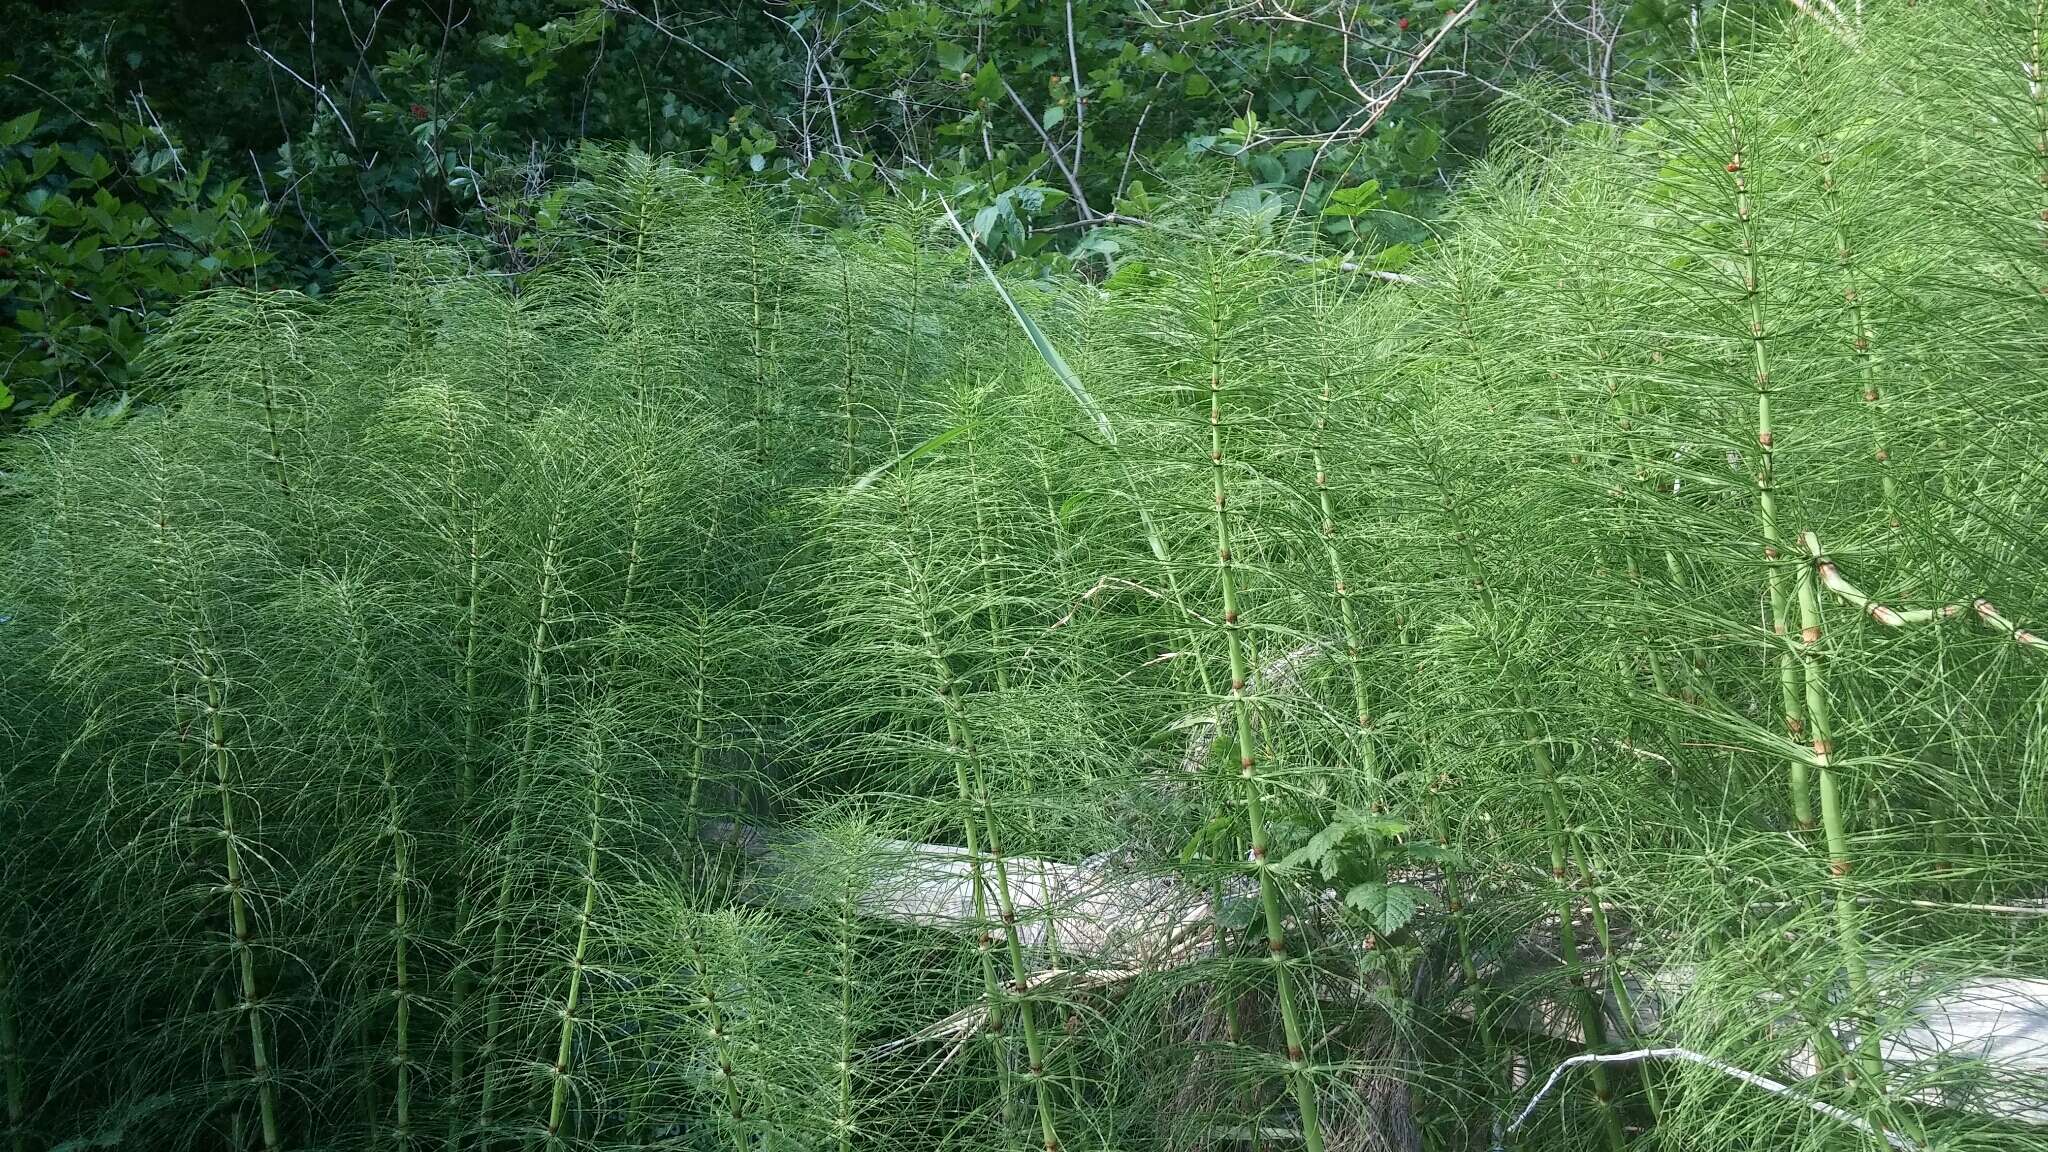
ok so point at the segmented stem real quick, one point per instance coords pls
(559, 1100)
(400, 879)
(1299, 1064)
(721, 1041)
(1867, 1065)
(501, 938)
(961, 750)
(242, 939)
(1766, 483)
(1368, 754)
(12, 1060)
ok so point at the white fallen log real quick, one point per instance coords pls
(1978, 1045)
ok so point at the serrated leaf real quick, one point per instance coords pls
(1389, 905)
(1320, 850)
(16, 130)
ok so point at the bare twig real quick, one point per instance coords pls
(1747, 1077)
(685, 41)
(1074, 82)
(1058, 157)
(315, 89)
(142, 107)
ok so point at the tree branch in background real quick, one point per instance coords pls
(1074, 81)
(1058, 157)
(1376, 107)
(315, 89)
(656, 23)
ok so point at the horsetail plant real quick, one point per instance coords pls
(1299, 1056)
(439, 704)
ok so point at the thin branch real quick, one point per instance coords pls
(1074, 82)
(1747, 1077)
(685, 41)
(1123, 177)
(315, 89)
(1058, 157)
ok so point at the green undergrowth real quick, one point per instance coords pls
(643, 703)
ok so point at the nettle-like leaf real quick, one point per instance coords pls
(1364, 831)
(1391, 906)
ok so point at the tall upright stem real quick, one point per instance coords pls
(11, 1058)
(400, 879)
(1299, 1058)
(565, 1046)
(843, 1127)
(1463, 536)
(1334, 559)
(501, 932)
(1867, 1066)
(849, 380)
(466, 527)
(721, 1041)
(967, 765)
(240, 924)
(1775, 563)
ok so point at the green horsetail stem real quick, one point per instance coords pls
(501, 931)
(2037, 92)
(961, 750)
(467, 520)
(984, 938)
(721, 1042)
(997, 663)
(1454, 902)
(1861, 336)
(1834, 821)
(1766, 483)
(1868, 1064)
(1831, 578)
(760, 338)
(1591, 1021)
(843, 1119)
(242, 939)
(269, 389)
(230, 1071)
(1299, 1057)
(400, 880)
(12, 1060)
(848, 383)
(1624, 1003)
(1368, 754)
(701, 669)
(1815, 695)
(558, 1102)
(1625, 412)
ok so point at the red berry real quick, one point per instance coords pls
(5, 253)
(1402, 23)
(1734, 166)
(420, 112)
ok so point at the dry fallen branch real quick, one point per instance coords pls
(1726, 1069)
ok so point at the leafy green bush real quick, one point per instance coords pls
(105, 226)
(327, 126)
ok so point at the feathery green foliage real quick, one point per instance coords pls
(727, 689)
